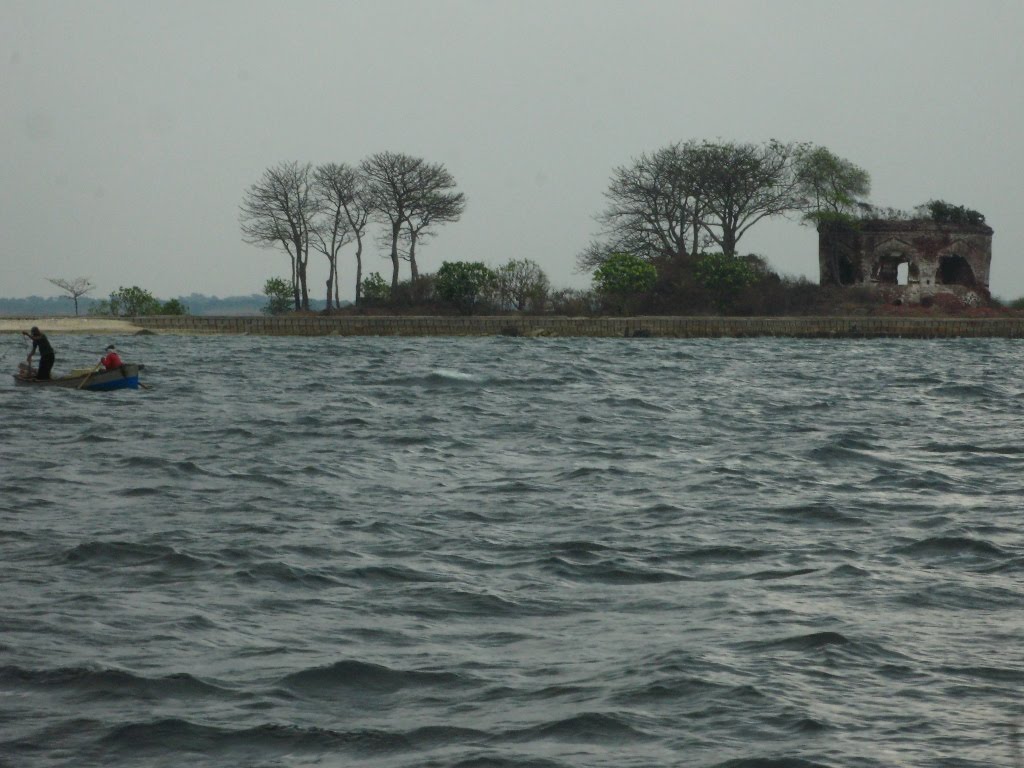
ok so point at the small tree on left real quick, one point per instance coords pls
(75, 288)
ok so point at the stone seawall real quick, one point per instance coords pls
(611, 327)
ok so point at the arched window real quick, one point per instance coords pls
(954, 270)
(893, 269)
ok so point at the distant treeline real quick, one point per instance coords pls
(197, 303)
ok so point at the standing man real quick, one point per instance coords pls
(46, 355)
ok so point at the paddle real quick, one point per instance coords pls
(89, 375)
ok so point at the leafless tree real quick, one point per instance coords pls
(522, 285)
(75, 288)
(392, 186)
(330, 231)
(278, 211)
(741, 184)
(409, 195)
(655, 209)
(347, 186)
(434, 204)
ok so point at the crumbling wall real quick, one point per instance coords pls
(907, 260)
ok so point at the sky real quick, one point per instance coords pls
(131, 129)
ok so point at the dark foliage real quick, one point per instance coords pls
(942, 212)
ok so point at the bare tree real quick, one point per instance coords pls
(655, 208)
(522, 284)
(75, 288)
(346, 188)
(330, 230)
(741, 184)
(433, 204)
(278, 211)
(392, 186)
(344, 215)
(409, 195)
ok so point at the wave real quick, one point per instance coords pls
(367, 677)
(588, 727)
(720, 553)
(112, 683)
(951, 546)
(288, 575)
(770, 575)
(394, 574)
(811, 641)
(770, 762)
(676, 688)
(182, 737)
(965, 392)
(609, 572)
(126, 553)
(491, 759)
(818, 513)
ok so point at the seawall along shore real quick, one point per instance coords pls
(611, 327)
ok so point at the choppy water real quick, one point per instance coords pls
(512, 552)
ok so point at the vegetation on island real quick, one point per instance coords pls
(667, 240)
(136, 302)
(296, 207)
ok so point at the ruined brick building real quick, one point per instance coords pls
(908, 261)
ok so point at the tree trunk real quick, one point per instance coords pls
(412, 257)
(303, 284)
(395, 229)
(696, 233)
(359, 270)
(728, 240)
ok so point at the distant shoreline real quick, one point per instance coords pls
(69, 325)
(535, 326)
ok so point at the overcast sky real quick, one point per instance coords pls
(130, 130)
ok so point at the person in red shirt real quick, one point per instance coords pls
(111, 360)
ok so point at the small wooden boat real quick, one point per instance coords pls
(125, 377)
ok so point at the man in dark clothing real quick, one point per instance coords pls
(46, 355)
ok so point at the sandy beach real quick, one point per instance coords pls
(67, 325)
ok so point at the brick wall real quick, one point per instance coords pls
(669, 327)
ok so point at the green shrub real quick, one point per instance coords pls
(173, 307)
(465, 284)
(375, 289)
(942, 212)
(280, 296)
(724, 276)
(622, 274)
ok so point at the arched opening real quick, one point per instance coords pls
(954, 270)
(847, 271)
(893, 269)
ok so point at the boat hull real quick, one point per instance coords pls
(125, 377)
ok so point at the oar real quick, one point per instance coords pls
(89, 375)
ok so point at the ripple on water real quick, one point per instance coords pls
(580, 553)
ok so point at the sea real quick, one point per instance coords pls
(515, 552)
